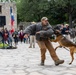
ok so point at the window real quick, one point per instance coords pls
(0, 9)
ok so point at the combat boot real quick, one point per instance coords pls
(57, 62)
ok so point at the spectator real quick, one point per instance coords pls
(15, 36)
(1, 36)
(65, 31)
(26, 39)
(5, 36)
(21, 36)
(32, 38)
(10, 38)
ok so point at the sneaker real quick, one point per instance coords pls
(59, 62)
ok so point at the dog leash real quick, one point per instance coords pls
(66, 48)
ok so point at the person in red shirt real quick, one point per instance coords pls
(21, 36)
(5, 36)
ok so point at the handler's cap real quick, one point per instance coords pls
(66, 24)
(44, 18)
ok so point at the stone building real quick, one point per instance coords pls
(5, 11)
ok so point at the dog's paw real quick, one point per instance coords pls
(70, 63)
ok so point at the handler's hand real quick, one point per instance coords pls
(26, 35)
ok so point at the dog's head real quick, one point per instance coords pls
(57, 32)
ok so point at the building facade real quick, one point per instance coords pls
(5, 11)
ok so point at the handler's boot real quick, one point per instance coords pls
(42, 63)
(57, 62)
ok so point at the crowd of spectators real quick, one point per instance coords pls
(7, 37)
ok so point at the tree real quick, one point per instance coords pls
(33, 10)
(58, 11)
(55, 13)
(69, 6)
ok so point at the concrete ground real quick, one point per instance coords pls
(26, 61)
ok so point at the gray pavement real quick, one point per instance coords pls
(26, 61)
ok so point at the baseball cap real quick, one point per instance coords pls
(44, 18)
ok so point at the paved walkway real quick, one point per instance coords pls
(25, 61)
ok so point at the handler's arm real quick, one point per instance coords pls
(48, 32)
(30, 29)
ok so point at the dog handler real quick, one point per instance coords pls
(42, 31)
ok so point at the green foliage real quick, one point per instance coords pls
(69, 6)
(32, 10)
(58, 11)
(1, 45)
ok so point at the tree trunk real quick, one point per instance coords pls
(70, 20)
